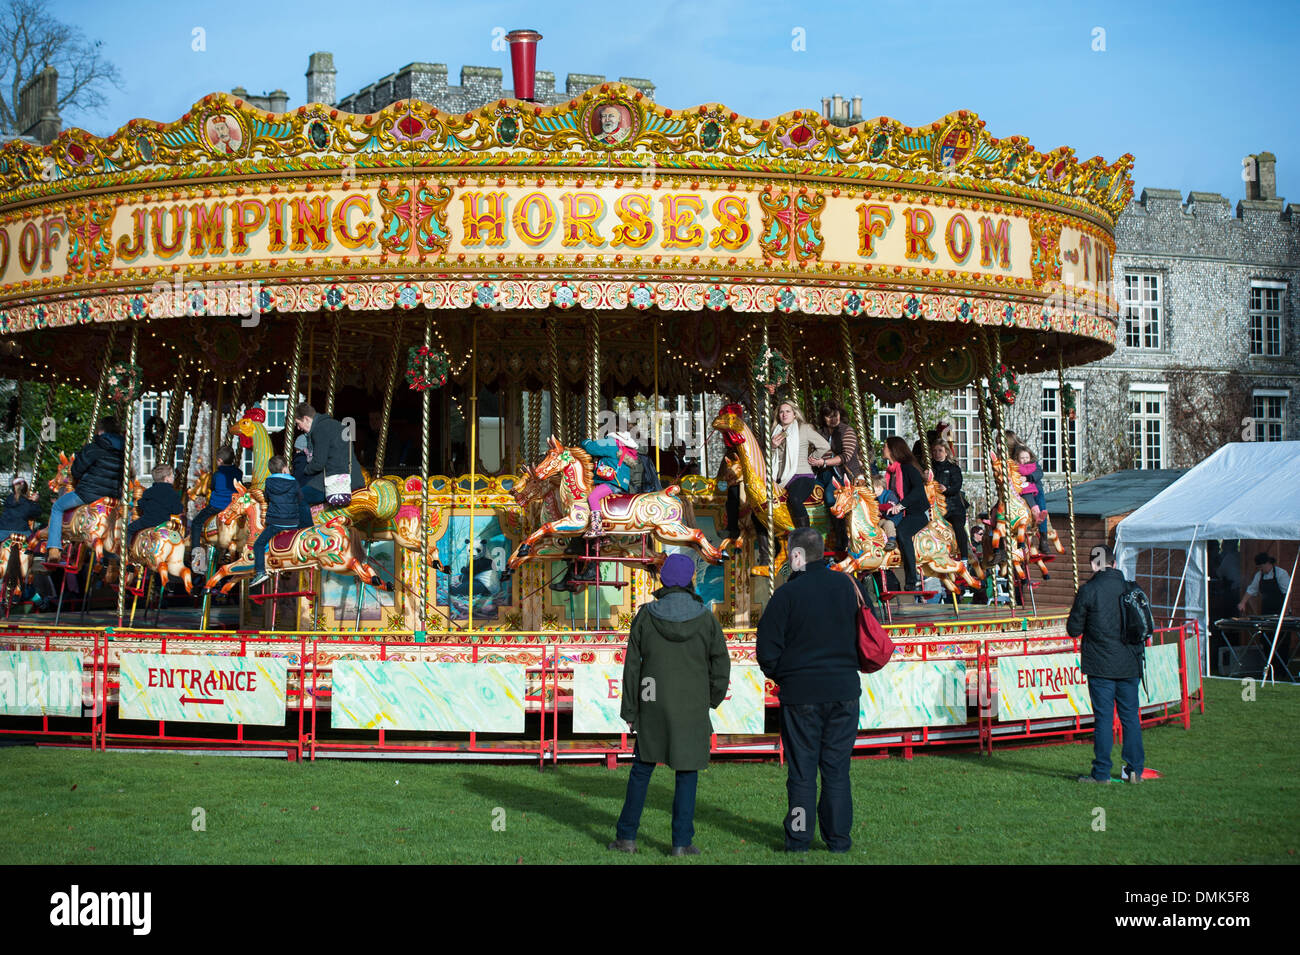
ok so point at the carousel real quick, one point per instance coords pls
(475, 298)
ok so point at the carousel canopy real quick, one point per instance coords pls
(687, 227)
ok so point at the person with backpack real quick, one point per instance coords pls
(1107, 620)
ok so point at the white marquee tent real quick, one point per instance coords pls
(1244, 491)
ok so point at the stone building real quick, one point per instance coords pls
(428, 82)
(1207, 349)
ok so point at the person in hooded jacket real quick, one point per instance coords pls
(677, 669)
(283, 504)
(20, 510)
(1113, 667)
(96, 473)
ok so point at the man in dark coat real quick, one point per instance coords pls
(97, 472)
(677, 669)
(1113, 667)
(807, 644)
(327, 455)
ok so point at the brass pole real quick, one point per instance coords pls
(18, 431)
(295, 372)
(102, 388)
(654, 427)
(557, 409)
(473, 462)
(915, 393)
(40, 443)
(174, 405)
(534, 425)
(183, 478)
(1001, 474)
(1068, 460)
(859, 415)
(766, 424)
(332, 382)
(311, 363)
(215, 421)
(423, 562)
(124, 515)
(593, 383)
(389, 385)
(787, 342)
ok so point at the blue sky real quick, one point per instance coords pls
(1189, 88)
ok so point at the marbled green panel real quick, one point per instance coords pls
(921, 693)
(597, 699)
(439, 697)
(1160, 677)
(40, 683)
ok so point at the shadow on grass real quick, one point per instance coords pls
(594, 811)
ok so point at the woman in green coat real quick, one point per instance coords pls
(677, 669)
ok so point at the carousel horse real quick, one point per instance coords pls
(750, 471)
(161, 550)
(935, 544)
(93, 524)
(623, 515)
(16, 561)
(1011, 521)
(539, 499)
(334, 546)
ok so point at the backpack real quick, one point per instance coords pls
(1137, 625)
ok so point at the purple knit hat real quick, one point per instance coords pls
(678, 571)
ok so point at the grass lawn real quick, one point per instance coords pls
(1231, 794)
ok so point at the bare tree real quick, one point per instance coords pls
(32, 39)
(1206, 410)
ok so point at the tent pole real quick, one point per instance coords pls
(1268, 664)
(1196, 529)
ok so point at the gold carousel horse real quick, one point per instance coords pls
(658, 513)
(1012, 521)
(161, 550)
(749, 470)
(935, 544)
(333, 546)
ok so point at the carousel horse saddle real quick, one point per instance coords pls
(283, 539)
(105, 503)
(617, 505)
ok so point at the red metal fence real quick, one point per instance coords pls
(547, 666)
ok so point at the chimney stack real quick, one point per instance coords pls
(1264, 183)
(320, 78)
(857, 107)
(826, 107)
(523, 61)
(837, 106)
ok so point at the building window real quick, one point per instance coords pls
(888, 420)
(1270, 415)
(1146, 426)
(151, 406)
(1050, 456)
(1266, 319)
(966, 430)
(1142, 311)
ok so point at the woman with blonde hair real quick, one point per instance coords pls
(799, 448)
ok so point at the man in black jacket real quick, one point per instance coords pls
(807, 644)
(97, 472)
(20, 511)
(1113, 667)
(327, 455)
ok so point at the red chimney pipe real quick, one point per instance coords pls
(523, 61)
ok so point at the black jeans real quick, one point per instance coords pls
(796, 492)
(906, 527)
(201, 518)
(819, 736)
